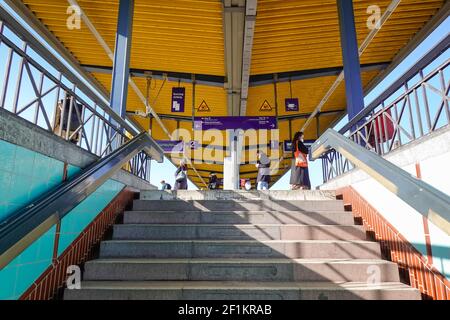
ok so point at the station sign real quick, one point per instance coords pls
(292, 105)
(171, 147)
(234, 123)
(287, 146)
(178, 99)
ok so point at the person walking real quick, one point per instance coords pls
(165, 186)
(299, 170)
(181, 176)
(263, 166)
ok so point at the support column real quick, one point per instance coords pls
(233, 161)
(122, 53)
(350, 55)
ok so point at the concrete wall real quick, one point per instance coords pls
(432, 155)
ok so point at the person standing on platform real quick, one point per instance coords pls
(299, 171)
(181, 176)
(263, 166)
(165, 186)
(213, 182)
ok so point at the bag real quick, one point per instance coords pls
(213, 186)
(180, 176)
(300, 159)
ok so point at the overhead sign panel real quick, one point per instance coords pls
(234, 123)
(171, 147)
(288, 146)
(292, 105)
(178, 99)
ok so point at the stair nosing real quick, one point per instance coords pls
(243, 285)
(248, 225)
(238, 260)
(241, 241)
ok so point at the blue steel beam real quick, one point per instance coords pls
(122, 53)
(350, 54)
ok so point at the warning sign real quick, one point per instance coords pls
(266, 106)
(203, 107)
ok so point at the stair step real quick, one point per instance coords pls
(238, 195)
(239, 217)
(205, 290)
(240, 270)
(241, 249)
(237, 232)
(237, 205)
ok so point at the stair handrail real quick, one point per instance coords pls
(30, 223)
(422, 197)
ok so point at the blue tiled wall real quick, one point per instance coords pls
(20, 274)
(80, 217)
(25, 175)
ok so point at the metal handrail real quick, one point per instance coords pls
(30, 223)
(46, 54)
(427, 200)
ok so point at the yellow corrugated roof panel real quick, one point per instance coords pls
(295, 35)
(176, 35)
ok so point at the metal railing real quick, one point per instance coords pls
(408, 118)
(36, 86)
(30, 223)
(414, 106)
(425, 199)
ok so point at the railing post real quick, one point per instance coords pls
(122, 54)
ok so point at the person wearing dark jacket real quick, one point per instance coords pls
(165, 186)
(181, 177)
(213, 182)
(263, 166)
(299, 171)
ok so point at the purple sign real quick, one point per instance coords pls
(233, 123)
(287, 146)
(170, 147)
(292, 105)
(178, 97)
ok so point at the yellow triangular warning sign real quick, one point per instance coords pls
(203, 107)
(265, 106)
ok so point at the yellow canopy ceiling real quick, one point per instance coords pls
(187, 36)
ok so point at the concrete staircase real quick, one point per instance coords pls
(240, 245)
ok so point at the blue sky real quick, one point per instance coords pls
(165, 171)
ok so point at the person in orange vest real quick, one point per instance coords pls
(299, 171)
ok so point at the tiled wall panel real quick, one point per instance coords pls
(24, 176)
